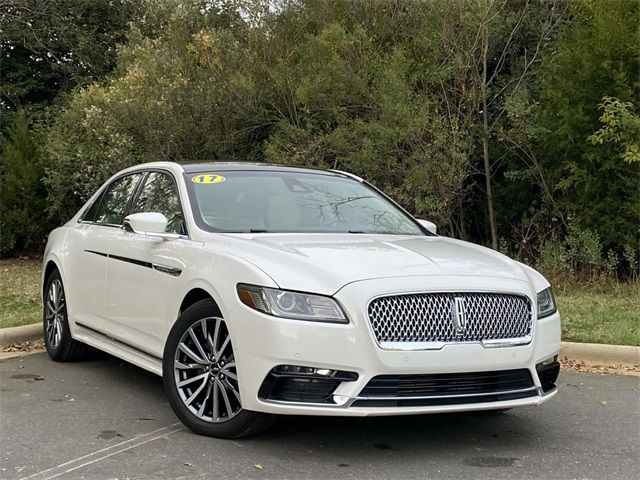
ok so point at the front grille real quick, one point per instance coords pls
(447, 384)
(431, 317)
(446, 389)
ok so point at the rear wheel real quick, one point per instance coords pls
(57, 336)
(201, 377)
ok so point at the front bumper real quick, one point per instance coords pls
(262, 342)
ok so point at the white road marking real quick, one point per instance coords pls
(103, 453)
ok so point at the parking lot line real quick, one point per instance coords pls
(103, 453)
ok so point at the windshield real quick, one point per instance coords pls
(292, 202)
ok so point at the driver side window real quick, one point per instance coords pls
(159, 194)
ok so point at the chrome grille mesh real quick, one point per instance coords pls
(430, 317)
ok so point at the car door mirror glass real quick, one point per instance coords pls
(430, 226)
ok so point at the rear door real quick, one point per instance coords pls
(88, 246)
(143, 271)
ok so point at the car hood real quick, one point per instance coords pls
(324, 263)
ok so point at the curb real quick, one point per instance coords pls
(600, 354)
(589, 353)
(20, 334)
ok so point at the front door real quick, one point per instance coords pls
(143, 271)
(88, 244)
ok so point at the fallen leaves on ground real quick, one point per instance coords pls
(580, 366)
(26, 346)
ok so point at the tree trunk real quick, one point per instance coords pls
(485, 141)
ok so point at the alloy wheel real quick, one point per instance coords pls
(54, 313)
(205, 371)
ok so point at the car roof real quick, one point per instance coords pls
(249, 166)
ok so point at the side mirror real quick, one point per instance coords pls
(428, 225)
(152, 224)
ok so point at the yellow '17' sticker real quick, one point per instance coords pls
(207, 178)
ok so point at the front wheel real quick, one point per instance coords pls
(201, 377)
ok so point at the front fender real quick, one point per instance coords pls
(537, 280)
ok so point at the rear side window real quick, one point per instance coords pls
(114, 201)
(90, 214)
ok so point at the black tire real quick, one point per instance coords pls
(60, 346)
(241, 423)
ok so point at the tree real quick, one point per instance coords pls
(49, 47)
(185, 93)
(596, 56)
(23, 219)
(485, 51)
(621, 126)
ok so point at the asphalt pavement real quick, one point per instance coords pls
(105, 419)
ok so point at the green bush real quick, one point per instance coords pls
(581, 255)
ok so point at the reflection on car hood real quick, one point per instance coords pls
(324, 263)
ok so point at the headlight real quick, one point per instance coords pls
(295, 305)
(546, 303)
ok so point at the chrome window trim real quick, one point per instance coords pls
(101, 192)
(134, 196)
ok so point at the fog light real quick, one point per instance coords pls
(548, 371)
(294, 383)
(548, 361)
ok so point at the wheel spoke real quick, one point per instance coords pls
(204, 402)
(197, 342)
(218, 354)
(186, 366)
(229, 365)
(203, 326)
(216, 333)
(196, 393)
(216, 404)
(233, 389)
(193, 379)
(58, 332)
(225, 397)
(51, 331)
(230, 374)
(59, 293)
(189, 353)
(54, 294)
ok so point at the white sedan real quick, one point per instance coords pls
(257, 290)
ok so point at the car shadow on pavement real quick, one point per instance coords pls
(471, 431)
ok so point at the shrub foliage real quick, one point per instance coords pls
(438, 103)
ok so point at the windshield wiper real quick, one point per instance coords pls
(258, 230)
(355, 231)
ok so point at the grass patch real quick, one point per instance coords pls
(19, 292)
(606, 312)
(601, 313)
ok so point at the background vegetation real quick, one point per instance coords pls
(605, 312)
(510, 123)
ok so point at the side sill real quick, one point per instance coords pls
(118, 349)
